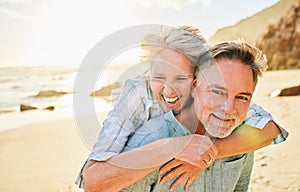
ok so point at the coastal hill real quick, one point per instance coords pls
(252, 27)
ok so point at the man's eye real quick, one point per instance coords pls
(218, 92)
(243, 98)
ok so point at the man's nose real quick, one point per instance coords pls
(228, 106)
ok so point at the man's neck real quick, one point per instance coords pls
(189, 120)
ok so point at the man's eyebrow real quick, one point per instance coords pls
(223, 88)
(246, 93)
(216, 86)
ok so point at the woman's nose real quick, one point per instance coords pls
(168, 89)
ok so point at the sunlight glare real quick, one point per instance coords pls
(69, 29)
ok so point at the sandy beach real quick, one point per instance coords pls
(46, 156)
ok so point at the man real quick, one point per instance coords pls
(223, 102)
(223, 105)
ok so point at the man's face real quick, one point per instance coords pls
(222, 96)
(172, 75)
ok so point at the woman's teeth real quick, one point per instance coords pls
(170, 100)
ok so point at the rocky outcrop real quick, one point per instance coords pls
(50, 108)
(106, 90)
(24, 107)
(51, 93)
(289, 91)
(281, 41)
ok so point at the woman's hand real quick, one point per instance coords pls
(199, 151)
(186, 172)
(198, 154)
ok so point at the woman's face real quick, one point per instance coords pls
(171, 79)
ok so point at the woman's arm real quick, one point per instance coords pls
(126, 168)
(258, 131)
(246, 139)
(128, 114)
(243, 140)
(103, 176)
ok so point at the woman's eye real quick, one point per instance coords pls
(181, 78)
(158, 78)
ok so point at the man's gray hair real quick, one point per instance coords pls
(186, 40)
(240, 50)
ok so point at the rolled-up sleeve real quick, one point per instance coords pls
(129, 113)
(258, 117)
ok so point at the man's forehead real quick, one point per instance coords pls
(227, 67)
(229, 74)
(212, 72)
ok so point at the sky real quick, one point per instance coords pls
(62, 32)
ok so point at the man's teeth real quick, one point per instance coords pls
(170, 100)
(224, 117)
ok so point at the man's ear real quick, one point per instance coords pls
(194, 85)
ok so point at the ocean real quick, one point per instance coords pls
(54, 86)
(22, 86)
